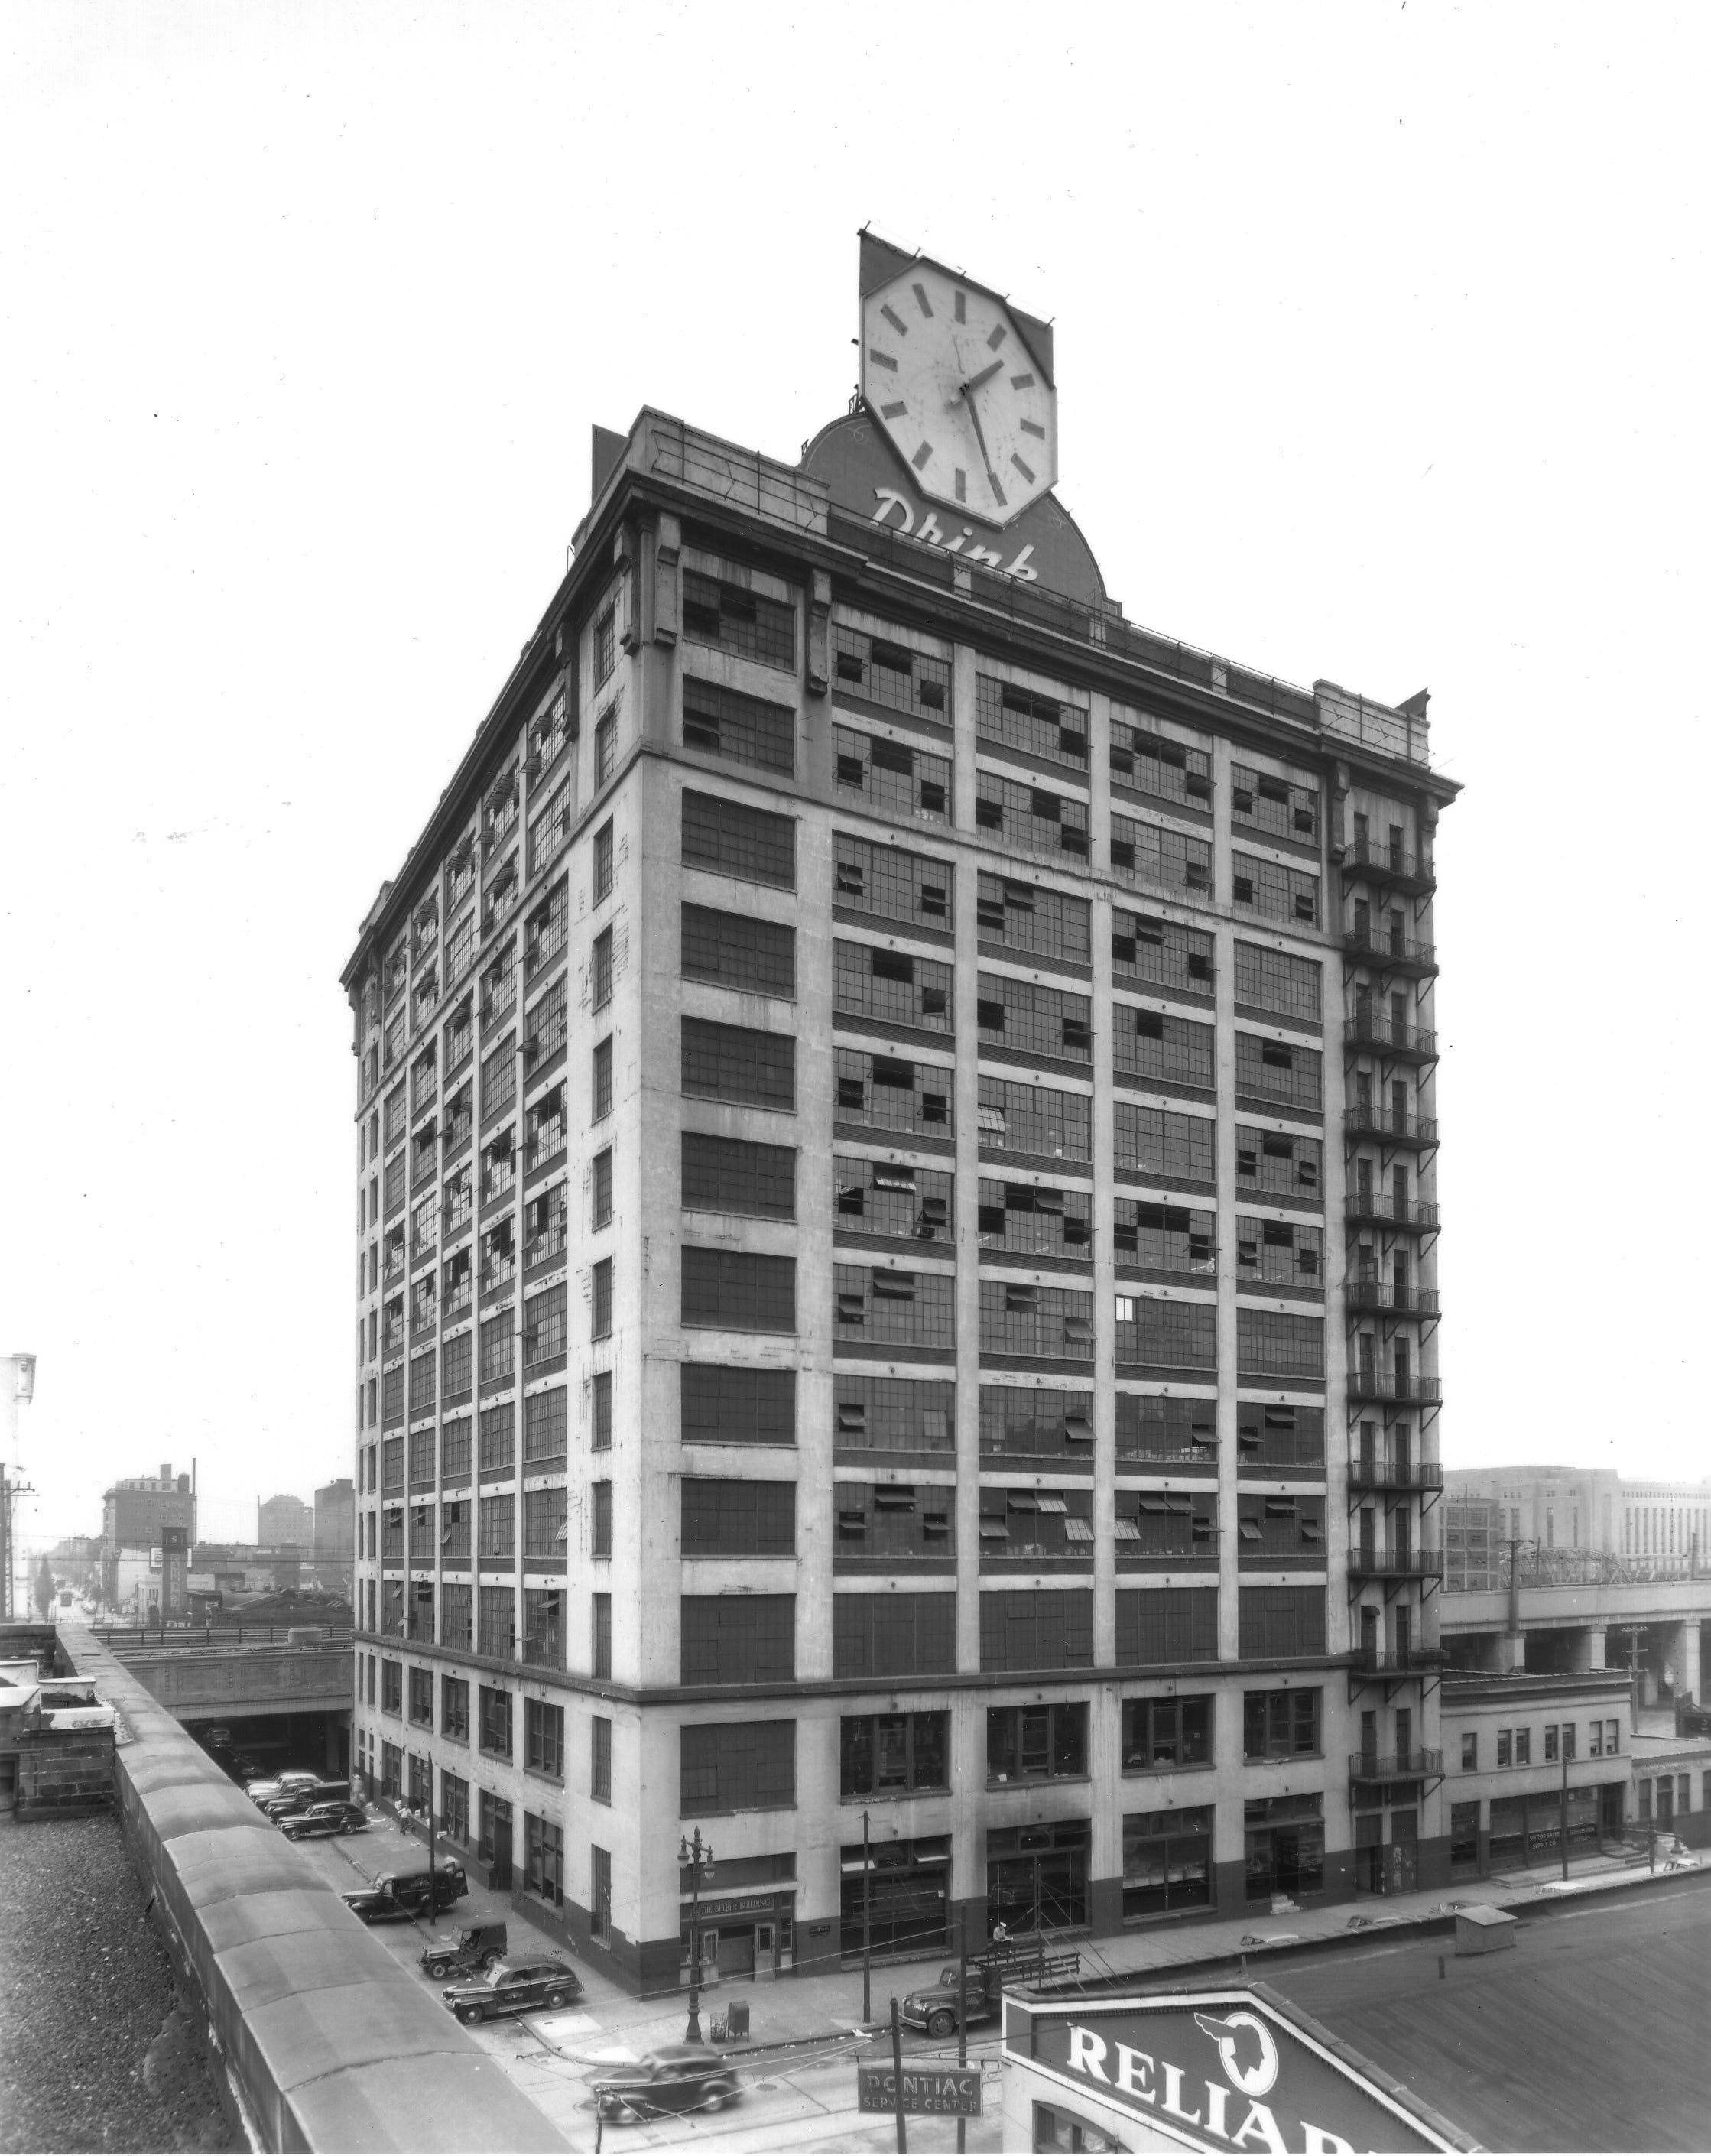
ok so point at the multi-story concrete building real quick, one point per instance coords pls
(140, 1517)
(282, 1520)
(1474, 1551)
(336, 1534)
(896, 1136)
(1558, 1511)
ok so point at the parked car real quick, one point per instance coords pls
(275, 1785)
(302, 1796)
(677, 2077)
(513, 1988)
(935, 2008)
(451, 1883)
(374, 1904)
(476, 1947)
(324, 1819)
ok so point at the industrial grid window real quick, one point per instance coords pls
(1035, 1119)
(906, 1309)
(1030, 819)
(893, 778)
(1167, 1335)
(545, 1426)
(738, 1290)
(1042, 1630)
(893, 1415)
(741, 729)
(738, 951)
(730, 617)
(1287, 1250)
(723, 1403)
(1167, 769)
(1019, 1318)
(1270, 888)
(1278, 1160)
(894, 1635)
(738, 1063)
(1278, 1343)
(1283, 807)
(1036, 1217)
(499, 1435)
(1274, 981)
(893, 987)
(1027, 917)
(1160, 1046)
(733, 1175)
(1034, 1019)
(1033, 1422)
(889, 1094)
(735, 1766)
(1175, 1238)
(1144, 947)
(730, 839)
(894, 675)
(1158, 1627)
(891, 882)
(1048, 726)
(892, 1198)
(738, 1638)
(728, 1517)
(1279, 1071)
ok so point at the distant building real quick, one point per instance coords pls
(1661, 1523)
(1473, 1531)
(282, 1520)
(336, 1533)
(135, 1516)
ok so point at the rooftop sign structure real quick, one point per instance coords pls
(1217, 2070)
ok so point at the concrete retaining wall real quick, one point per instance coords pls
(330, 2043)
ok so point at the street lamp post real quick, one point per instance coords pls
(698, 1856)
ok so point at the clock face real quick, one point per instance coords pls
(948, 376)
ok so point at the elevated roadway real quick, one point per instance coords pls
(1655, 1624)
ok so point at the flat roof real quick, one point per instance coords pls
(1591, 2034)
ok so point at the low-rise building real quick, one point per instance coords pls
(1670, 1787)
(1529, 1758)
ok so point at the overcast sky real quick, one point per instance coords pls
(1381, 356)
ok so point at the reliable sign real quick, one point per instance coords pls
(945, 2089)
(1219, 2070)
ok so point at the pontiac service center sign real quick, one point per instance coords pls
(1215, 2070)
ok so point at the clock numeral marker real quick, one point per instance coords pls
(962, 486)
(881, 359)
(1029, 427)
(1021, 381)
(922, 302)
(922, 456)
(893, 411)
(895, 320)
(997, 338)
(1021, 468)
(962, 307)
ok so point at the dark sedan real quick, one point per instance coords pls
(513, 1987)
(324, 1819)
(677, 2077)
(375, 1906)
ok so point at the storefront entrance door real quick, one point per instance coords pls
(736, 1950)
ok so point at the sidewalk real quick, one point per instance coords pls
(796, 2006)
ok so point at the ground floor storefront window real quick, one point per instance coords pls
(1285, 1846)
(1527, 1829)
(543, 1872)
(907, 1896)
(1036, 1877)
(1464, 1839)
(1167, 1862)
(1054, 2127)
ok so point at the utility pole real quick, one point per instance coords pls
(867, 1936)
(962, 2014)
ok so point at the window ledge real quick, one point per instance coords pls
(1038, 1781)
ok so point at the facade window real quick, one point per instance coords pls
(1034, 1217)
(893, 1755)
(1173, 1525)
(1159, 1141)
(454, 1809)
(544, 1327)
(1046, 1743)
(599, 1893)
(499, 986)
(1175, 1238)
(735, 1766)
(454, 1708)
(544, 1733)
(1034, 1020)
(1505, 1748)
(1287, 1250)
(601, 1520)
(738, 951)
(1277, 1343)
(733, 617)
(601, 1090)
(606, 746)
(732, 1519)
(1275, 1160)
(544, 1430)
(1167, 1862)
(550, 831)
(884, 1092)
(498, 1533)
(600, 969)
(893, 1522)
(1033, 1422)
(1170, 860)
(544, 1529)
(548, 732)
(1284, 1846)
(601, 1187)
(893, 1415)
(1281, 1725)
(892, 674)
(1277, 892)
(1029, 820)
(498, 1614)
(495, 1722)
(1470, 1751)
(1159, 1733)
(1272, 1433)
(741, 729)
(1144, 947)
(543, 1858)
(1018, 718)
(893, 987)
(1018, 1317)
(548, 1024)
(1158, 1046)
(738, 1290)
(1168, 770)
(1274, 981)
(889, 882)
(890, 1198)
(1180, 1336)
(601, 1628)
(738, 1063)
(1279, 1071)
(894, 1635)
(456, 1623)
(1037, 1630)
(1276, 1621)
(392, 1687)
(1036, 1120)
(738, 1638)
(605, 648)
(600, 1759)
(1035, 1527)
(1281, 807)
(600, 1435)
(729, 839)
(600, 1327)
(1026, 916)
(724, 1404)
(422, 1697)
(890, 778)
(906, 1309)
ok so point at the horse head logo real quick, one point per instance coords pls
(1256, 2079)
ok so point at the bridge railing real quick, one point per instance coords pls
(120, 1636)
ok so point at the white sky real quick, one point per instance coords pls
(1381, 356)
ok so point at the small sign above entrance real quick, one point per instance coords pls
(947, 2090)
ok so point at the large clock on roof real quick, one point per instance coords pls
(949, 373)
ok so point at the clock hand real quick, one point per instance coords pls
(985, 375)
(980, 437)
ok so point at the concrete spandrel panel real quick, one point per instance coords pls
(308, 2033)
(319, 1959)
(460, 2102)
(279, 1914)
